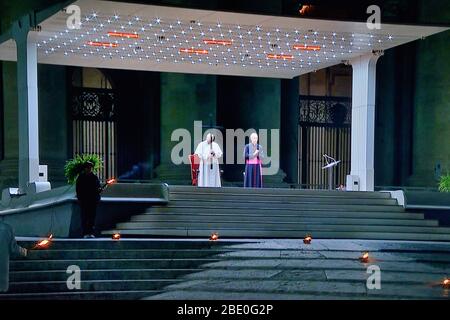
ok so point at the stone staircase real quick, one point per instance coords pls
(280, 213)
(110, 269)
(185, 269)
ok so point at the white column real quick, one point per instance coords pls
(363, 119)
(27, 88)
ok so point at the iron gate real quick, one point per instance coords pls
(324, 128)
(94, 126)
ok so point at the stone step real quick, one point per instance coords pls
(275, 212)
(282, 198)
(323, 217)
(81, 295)
(294, 234)
(256, 205)
(120, 254)
(275, 225)
(21, 265)
(123, 244)
(351, 276)
(100, 274)
(273, 200)
(324, 264)
(184, 295)
(307, 287)
(91, 285)
(277, 191)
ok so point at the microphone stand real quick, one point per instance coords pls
(330, 166)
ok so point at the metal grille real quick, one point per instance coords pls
(94, 127)
(324, 128)
(2, 114)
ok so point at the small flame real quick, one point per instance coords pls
(446, 283)
(307, 239)
(45, 243)
(110, 181)
(364, 257)
(214, 236)
(305, 9)
(116, 236)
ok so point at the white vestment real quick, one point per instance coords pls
(208, 177)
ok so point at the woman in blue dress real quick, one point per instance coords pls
(253, 154)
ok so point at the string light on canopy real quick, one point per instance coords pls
(164, 40)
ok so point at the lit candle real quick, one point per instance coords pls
(446, 283)
(214, 236)
(364, 257)
(45, 243)
(307, 239)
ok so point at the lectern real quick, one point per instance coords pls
(331, 163)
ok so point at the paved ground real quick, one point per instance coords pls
(325, 269)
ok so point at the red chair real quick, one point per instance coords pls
(195, 164)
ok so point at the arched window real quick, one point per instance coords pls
(93, 103)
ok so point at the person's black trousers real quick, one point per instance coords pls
(88, 214)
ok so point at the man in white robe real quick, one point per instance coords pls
(209, 153)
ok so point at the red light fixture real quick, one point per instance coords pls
(102, 44)
(193, 51)
(218, 42)
(123, 35)
(280, 56)
(306, 47)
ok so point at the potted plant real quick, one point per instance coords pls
(74, 166)
(444, 184)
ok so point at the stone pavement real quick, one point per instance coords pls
(325, 269)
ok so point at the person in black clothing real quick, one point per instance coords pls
(88, 194)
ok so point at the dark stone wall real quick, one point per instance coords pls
(289, 117)
(53, 120)
(138, 121)
(431, 119)
(412, 105)
(247, 103)
(185, 98)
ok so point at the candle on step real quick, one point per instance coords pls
(307, 239)
(365, 257)
(214, 236)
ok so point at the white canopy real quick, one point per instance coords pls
(156, 38)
